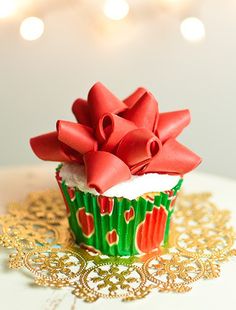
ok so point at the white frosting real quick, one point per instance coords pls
(74, 176)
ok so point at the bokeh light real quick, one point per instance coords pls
(192, 29)
(32, 28)
(116, 9)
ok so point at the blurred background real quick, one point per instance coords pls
(183, 51)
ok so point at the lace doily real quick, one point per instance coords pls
(37, 231)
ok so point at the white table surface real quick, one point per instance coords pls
(17, 291)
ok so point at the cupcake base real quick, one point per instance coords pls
(119, 226)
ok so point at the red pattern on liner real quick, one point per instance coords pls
(129, 215)
(106, 205)
(150, 233)
(112, 237)
(86, 222)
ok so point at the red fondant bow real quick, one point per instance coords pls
(115, 138)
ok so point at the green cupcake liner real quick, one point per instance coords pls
(119, 226)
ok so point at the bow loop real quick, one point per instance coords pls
(81, 112)
(131, 100)
(171, 124)
(174, 158)
(138, 146)
(111, 129)
(48, 147)
(104, 169)
(76, 136)
(102, 101)
(144, 114)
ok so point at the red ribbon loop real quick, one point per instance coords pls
(102, 101)
(171, 124)
(76, 136)
(175, 158)
(81, 111)
(111, 129)
(135, 96)
(48, 147)
(104, 169)
(145, 144)
(144, 113)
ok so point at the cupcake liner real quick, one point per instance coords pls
(119, 226)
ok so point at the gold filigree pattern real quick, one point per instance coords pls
(173, 272)
(205, 242)
(37, 230)
(48, 207)
(54, 267)
(110, 281)
(30, 234)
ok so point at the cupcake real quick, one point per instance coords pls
(121, 170)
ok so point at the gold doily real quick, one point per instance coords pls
(37, 230)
